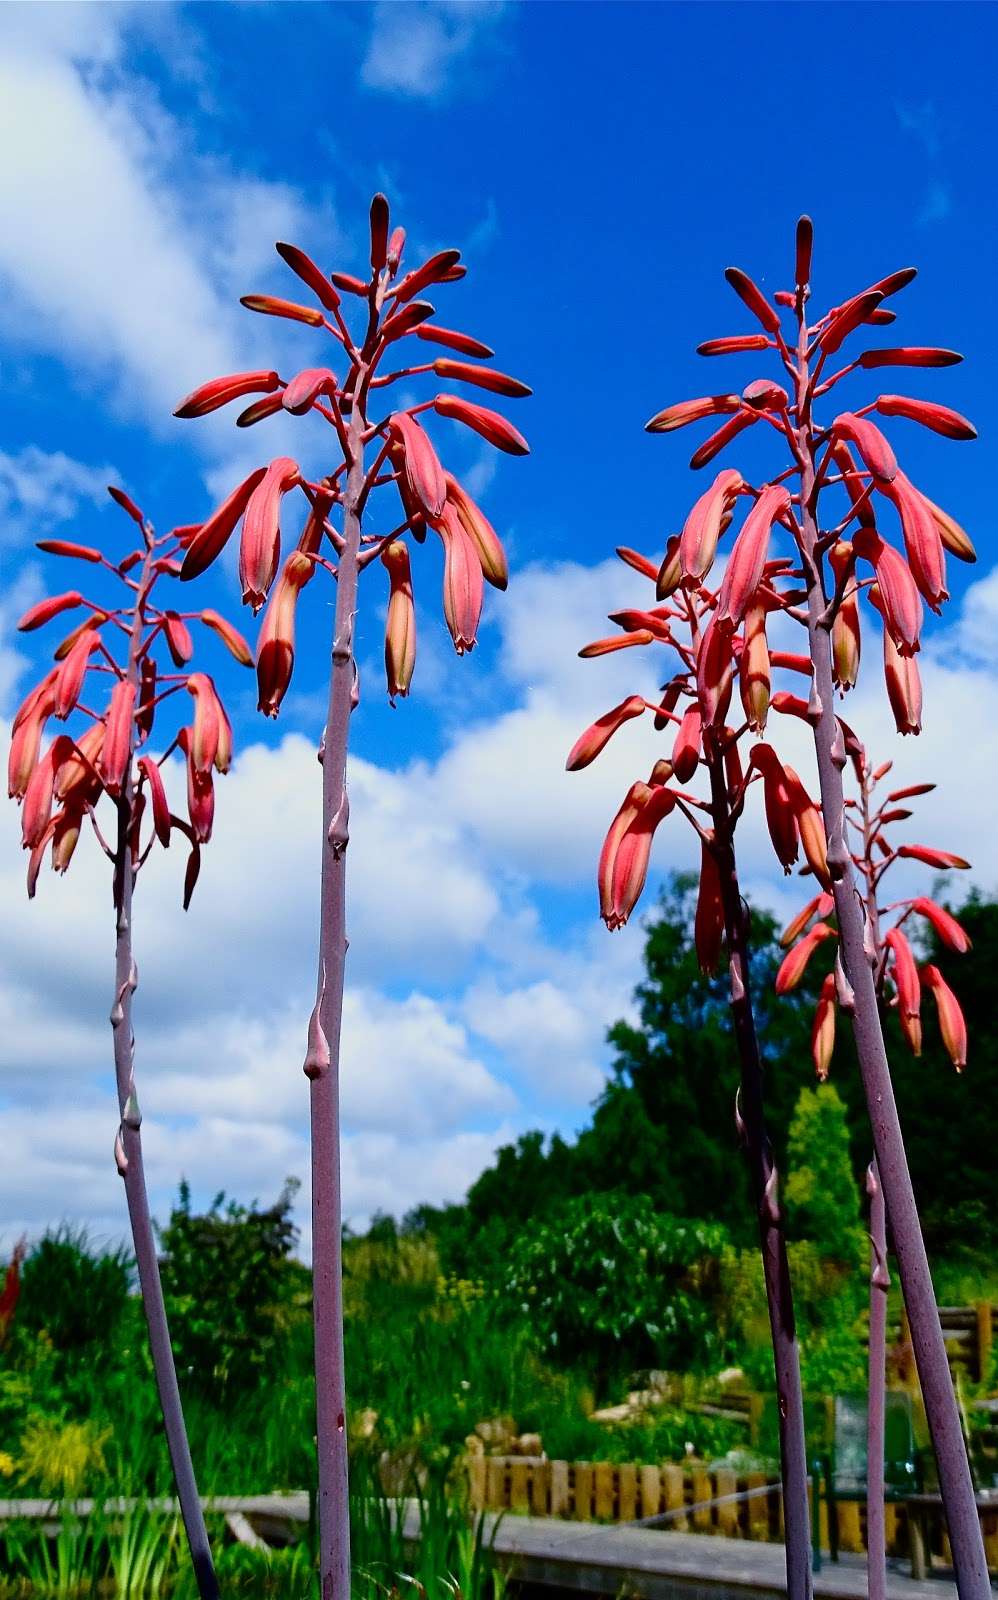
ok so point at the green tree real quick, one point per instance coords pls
(820, 1194)
(233, 1292)
(609, 1284)
(73, 1291)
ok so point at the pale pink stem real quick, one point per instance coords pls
(128, 1151)
(772, 1240)
(941, 1411)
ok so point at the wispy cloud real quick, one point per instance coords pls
(40, 490)
(923, 124)
(413, 47)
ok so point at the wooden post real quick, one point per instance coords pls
(559, 1488)
(584, 1491)
(540, 1485)
(627, 1491)
(519, 1486)
(850, 1534)
(985, 1331)
(758, 1516)
(651, 1492)
(603, 1475)
(674, 1481)
(701, 1491)
(476, 1482)
(727, 1515)
(495, 1483)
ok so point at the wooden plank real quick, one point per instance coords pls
(727, 1515)
(850, 1536)
(985, 1334)
(627, 1491)
(540, 1488)
(702, 1520)
(476, 1482)
(674, 1487)
(495, 1483)
(758, 1514)
(559, 1499)
(651, 1492)
(605, 1497)
(519, 1486)
(583, 1496)
(890, 1527)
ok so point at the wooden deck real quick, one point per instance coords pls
(659, 1565)
(586, 1557)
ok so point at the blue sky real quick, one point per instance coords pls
(599, 165)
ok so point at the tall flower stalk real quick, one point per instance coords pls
(106, 758)
(695, 703)
(394, 450)
(848, 460)
(899, 983)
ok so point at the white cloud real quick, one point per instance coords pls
(412, 48)
(125, 245)
(40, 490)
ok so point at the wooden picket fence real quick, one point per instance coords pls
(605, 1491)
(969, 1335)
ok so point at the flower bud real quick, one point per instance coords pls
(116, 749)
(877, 454)
(38, 795)
(810, 827)
(904, 687)
(276, 644)
(219, 391)
(895, 593)
(462, 593)
(686, 747)
(64, 547)
(270, 306)
(823, 1029)
(260, 546)
(216, 532)
(733, 345)
(754, 298)
(922, 539)
(846, 638)
(589, 744)
(630, 864)
(230, 637)
(36, 616)
(952, 1025)
(207, 721)
(708, 923)
(491, 555)
(723, 436)
(939, 418)
(743, 574)
(942, 860)
(424, 476)
(453, 340)
(400, 627)
(160, 806)
(821, 906)
(794, 963)
(488, 424)
(701, 530)
(683, 412)
(309, 273)
(69, 682)
(200, 792)
(178, 638)
(946, 927)
(77, 778)
(753, 669)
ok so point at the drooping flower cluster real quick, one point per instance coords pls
(899, 974)
(695, 706)
(391, 312)
(105, 687)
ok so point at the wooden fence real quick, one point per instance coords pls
(969, 1335)
(605, 1491)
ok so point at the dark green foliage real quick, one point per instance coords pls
(233, 1292)
(608, 1282)
(73, 1292)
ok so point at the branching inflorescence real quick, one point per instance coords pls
(392, 450)
(899, 982)
(108, 686)
(834, 558)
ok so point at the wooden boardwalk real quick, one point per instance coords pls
(585, 1557)
(658, 1565)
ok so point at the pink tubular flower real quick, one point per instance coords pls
(754, 298)
(37, 615)
(905, 973)
(686, 746)
(809, 826)
(686, 411)
(211, 539)
(895, 592)
(708, 923)
(230, 637)
(904, 687)
(219, 391)
(823, 1029)
(744, 571)
(79, 773)
(846, 637)
(490, 425)
(753, 669)
(946, 926)
(954, 539)
(952, 1025)
(208, 722)
(260, 547)
(780, 816)
(939, 418)
(722, 436)
(703, 526)
(69, 681)
(715, 672)
(922, 539)
(275, 655)
(37, 808)
(491, 555)
(400, 627)
(26, 738)
(116, 749)
(942, 860)
(306, 387)
(821, 906)
(200, 792)
(424, 476)
(463, 589)
(794, 963)
(160, 805)
(635, 798)
(630, 862)
(589, 744)
(869, 441)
